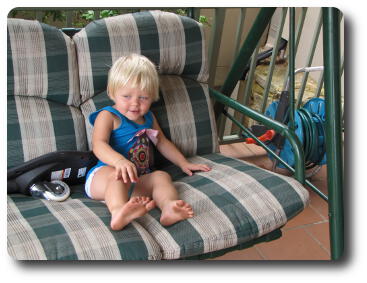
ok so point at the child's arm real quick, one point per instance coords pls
(170, 151)
(103, 126)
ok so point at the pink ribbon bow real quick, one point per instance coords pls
(152, 135)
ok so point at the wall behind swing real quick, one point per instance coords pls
(306, 38)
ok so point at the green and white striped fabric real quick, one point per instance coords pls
(174, 43)
(77, 229)
(37, 126)
(233, 203)
(184, 112)
(41, 62)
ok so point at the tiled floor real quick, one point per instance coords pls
(305, 237)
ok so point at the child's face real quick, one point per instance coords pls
(132, 102)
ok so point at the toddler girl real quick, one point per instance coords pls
(122, 135)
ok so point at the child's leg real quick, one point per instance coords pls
(114, 192)
(159, 185)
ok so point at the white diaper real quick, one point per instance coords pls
(88, 182)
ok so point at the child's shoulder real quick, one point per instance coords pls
(106, 114)
(107, 119)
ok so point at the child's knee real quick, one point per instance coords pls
(111, 178)
(161, 175)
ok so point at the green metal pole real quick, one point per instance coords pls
(261, 22)
(291, 67)
(334, 153)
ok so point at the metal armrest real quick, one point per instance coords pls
(278, 127)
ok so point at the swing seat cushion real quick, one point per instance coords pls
(236, 202)
(233, 203)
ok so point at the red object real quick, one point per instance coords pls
(268, 136)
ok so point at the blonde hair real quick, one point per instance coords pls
(137, 70)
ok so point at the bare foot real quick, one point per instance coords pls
(175, 211)
(134, 208)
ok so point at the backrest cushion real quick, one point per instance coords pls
(184, 112)
(41, 62)
(174, 43)
(37, 126)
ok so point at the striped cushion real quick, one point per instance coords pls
(233, 203)
(41, 62)
(184, 113)
(174, 43)
(37, 126)
(77, 229)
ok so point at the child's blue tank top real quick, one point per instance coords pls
(137, 149)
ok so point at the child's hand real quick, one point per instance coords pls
(189, 167)
(126, 171)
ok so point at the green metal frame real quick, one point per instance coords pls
(334, 151)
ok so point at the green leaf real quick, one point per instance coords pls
(89, 15)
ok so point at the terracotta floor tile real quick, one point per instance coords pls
(321, 234)
(319, 180)
(259, 161)
(236, 151)
(247, 254)
(307, 216)
(319, 205)
(258, 150)
(295, 244)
